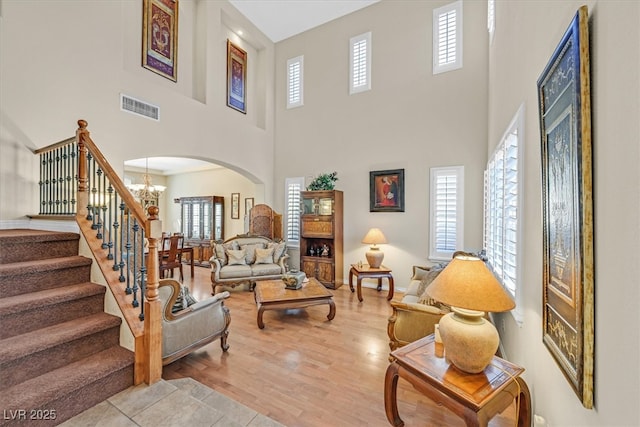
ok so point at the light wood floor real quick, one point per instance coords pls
(303, 370)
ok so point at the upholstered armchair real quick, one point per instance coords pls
(415, 315)
(189, 325)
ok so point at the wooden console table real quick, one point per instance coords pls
(474, 397)
(365, 271)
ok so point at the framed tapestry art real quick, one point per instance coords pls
(568, 282)
(236, 77)
(160, 37)
(248, 205)
(235, 205)
(386, 191)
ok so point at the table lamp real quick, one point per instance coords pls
(467, 285)
(374, 254)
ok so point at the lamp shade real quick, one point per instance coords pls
(374, 237)
(467, 283)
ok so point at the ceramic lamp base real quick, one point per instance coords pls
(470, 342)
(374, 257)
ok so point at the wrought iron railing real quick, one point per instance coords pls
(76, 179)
(58, 178)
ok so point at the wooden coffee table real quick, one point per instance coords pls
(272, 295)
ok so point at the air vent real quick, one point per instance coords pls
(141, 108)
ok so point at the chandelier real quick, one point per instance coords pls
(147, 193)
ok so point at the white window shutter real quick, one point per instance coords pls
(293, 188)
(295, 77)
(360, 63)
(447, 37)
(447, 212)
(502, 210)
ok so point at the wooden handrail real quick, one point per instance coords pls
(147, 335)
(54, 146)
(86, 143)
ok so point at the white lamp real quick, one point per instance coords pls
(467, 285)
(374, 255)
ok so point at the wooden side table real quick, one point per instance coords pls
(474, 397)
(365, 271)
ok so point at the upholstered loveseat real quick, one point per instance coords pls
(245, 259)
(415, 315)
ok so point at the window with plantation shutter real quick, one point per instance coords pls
(295, 68)
(293, 188)
(447, 37)
(360, 60)
(446, 211)
(491, 18)
(502, 207)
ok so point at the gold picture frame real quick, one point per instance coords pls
(160, 37)
(236, 77)
(567, 202)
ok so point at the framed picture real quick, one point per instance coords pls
(568, 282)
(248, 205)
(160, 37)
(386, 191)
(236, 77)
(235, 205)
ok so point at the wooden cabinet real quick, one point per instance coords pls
(202, 222)
(321, 237)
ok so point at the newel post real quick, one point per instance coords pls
(153, 318)
(83, 187)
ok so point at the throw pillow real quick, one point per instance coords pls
(278, 250)
(184, 300)
(237, 257)
(220, 249)
(426, 281)
(419, 272)
(250, 250)
(264, 256)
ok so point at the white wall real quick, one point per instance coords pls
(62, 60)
(526, 35)
(409, 120)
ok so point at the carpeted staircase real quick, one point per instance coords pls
(59, 351)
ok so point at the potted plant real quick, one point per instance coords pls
(325, 181)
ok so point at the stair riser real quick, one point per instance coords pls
(27, 321)
(72, 366)
(21, 283)
(20, 252)
(79, 400)
(48, 359)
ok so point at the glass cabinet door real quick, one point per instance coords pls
(325, 206)
(308, 206)
(218, 214)
(202, 218)
(206, 220)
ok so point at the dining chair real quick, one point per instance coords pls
(171, 258)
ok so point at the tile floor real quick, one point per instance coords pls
(180, 402)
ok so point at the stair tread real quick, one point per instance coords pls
(31, 342)
(13, 268)
(60, 382)
(48, 297)
(25, 235)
